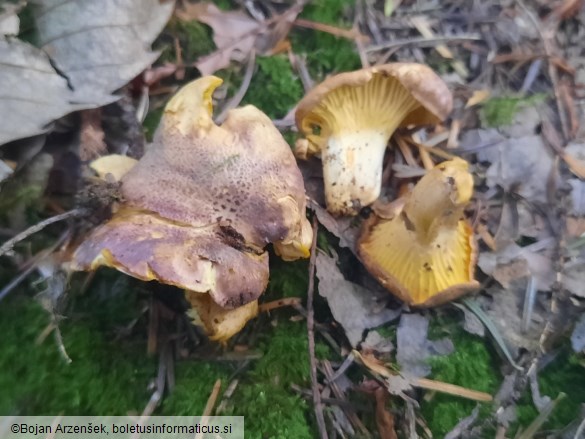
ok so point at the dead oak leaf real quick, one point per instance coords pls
(236, 34)
(352, 305)
(32, 93)
(100, 46)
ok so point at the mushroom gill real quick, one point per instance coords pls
(350, 117)
(426, 253)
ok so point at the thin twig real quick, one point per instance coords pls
(231, 388)
(8, 245)
(422, 42)
(580, 430)
(212, 399)
(339, 394)
(311, 335)
(547, 33)
(286, 301)
(350, 34)
(32, 264)
(237, 98)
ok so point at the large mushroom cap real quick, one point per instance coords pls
(350, 117)
(204, 201)
(426, 253)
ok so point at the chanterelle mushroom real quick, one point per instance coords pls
(350, 117)
(426, 253)
(204, 201)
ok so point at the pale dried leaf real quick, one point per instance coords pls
(5, 171)
(521, 165)
(512, 263)
(9, 21)
(375, 342)
(504, 309)
(414, 348)
(353, 306)
(32, 93)
(574, 276)
(343, 227)
(100, 46)
(472, 323)
(577, 197)
(578, 336)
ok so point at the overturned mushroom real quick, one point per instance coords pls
(202, 204)
(350, 117)
(426, 253)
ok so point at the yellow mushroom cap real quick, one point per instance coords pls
(219, 323)
(204, 201)
(426, 253)
(350, 117)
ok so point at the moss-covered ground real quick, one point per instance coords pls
(111, 373)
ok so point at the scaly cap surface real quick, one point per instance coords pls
(204, 201)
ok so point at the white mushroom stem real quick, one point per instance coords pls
(352, 169)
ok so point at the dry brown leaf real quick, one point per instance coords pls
(567, 9)
(576, 166)
(236, 34)
(377, 367)
(100, 46)
(384, 418)
(91, 140)
(478, 97)
(352, 305)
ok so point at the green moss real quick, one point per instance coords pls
(470, 365)
(28, 31)
(107, 376)
(195, 40)
(151, 122)
(326, 53)
(565, 375)
(264, 398)
(224, 5)
(195, 381)
(275, 89)
(287, 279)
(500, 111)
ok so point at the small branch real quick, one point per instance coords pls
(212, 399)
(451, 389)
(350, 34)
(422, 42)
(286, 301)
(311, 335)
(237, 98)
(8, 245)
